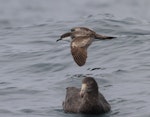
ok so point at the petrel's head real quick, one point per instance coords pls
(89, 86)
(66, 36)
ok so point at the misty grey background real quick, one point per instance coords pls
(35, 70)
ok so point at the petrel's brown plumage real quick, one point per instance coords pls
(86, 31)
(87, 100)
(81, 37)
(79, 47)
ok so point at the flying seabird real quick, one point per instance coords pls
(81, 38)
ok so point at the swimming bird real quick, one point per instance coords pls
(87, 100)
(82, 38)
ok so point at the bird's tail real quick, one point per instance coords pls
(102, 37)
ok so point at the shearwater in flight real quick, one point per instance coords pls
(81, 38)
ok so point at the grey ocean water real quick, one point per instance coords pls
(35, 70)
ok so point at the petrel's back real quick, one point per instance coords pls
(72, 100)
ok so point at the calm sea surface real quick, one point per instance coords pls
(35, 70)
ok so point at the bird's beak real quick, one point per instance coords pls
(83, 90)
(58, 40)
